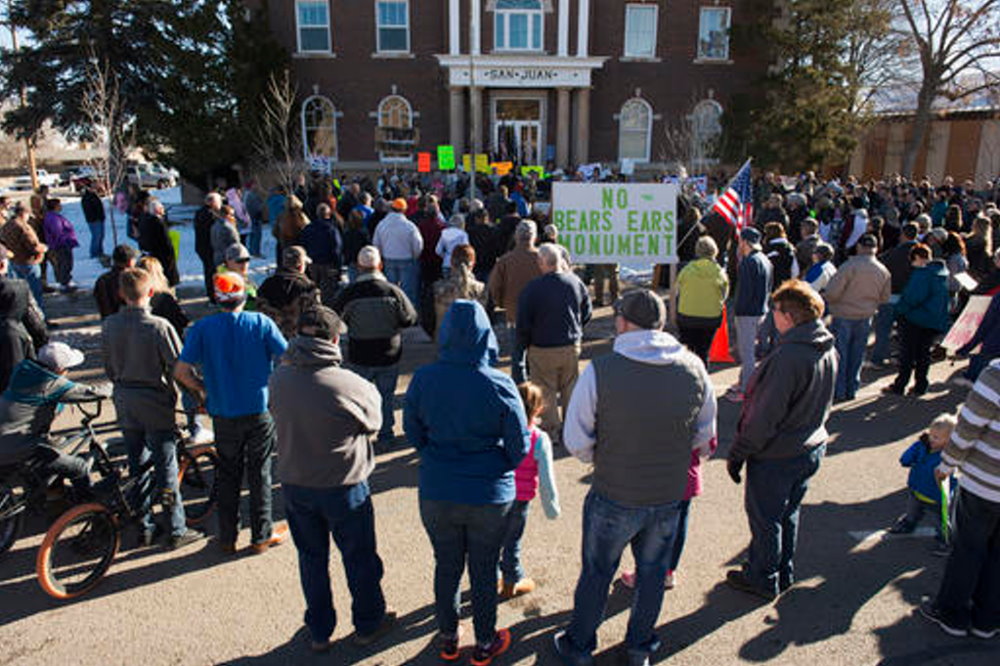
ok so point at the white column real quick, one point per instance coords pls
(454, 30)
(581, 152)
(457, 118)
(563, 28)
(476, 118)
(562, 127)
(474, 23)
(583, 28)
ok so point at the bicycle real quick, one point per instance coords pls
(35, 483)
(81, 544)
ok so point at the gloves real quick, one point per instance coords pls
(734, 467)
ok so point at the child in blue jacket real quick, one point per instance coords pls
(922, 458)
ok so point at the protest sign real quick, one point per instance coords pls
(446, 158)
(502, 168)
(965, 326)
(423, 162)
(482, 163)
(320, 163)
(528, 170)
(467, 162)
(628, 166)
(631, 224)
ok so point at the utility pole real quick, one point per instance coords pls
(29, 144)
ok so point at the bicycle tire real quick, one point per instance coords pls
(197, 479)
(10, 527)
(97, 543)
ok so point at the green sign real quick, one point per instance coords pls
(446, 158)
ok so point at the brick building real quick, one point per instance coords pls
(556, 82)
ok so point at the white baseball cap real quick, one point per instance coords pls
(369, 257)
(59, 356)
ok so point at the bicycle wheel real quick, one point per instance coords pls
(77, 551)
(197, 480)
(10, 526)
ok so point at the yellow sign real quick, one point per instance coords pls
(482, 163)
(528, 170)
(503, 168)
(467, 162)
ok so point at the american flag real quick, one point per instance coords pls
(736, 203)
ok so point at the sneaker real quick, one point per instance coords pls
(521, 587)
(319, 647)
(892, 389)
(902, 526)
(738, 580)
(984, 633)
(227, 548)
(448, 645)
(279, 534)
(179, 541)
(566, 652)
(628, 579)
(670, 582)
(384, 627)
(148, 537)
(933, 613)
(201, 435)
(917, 391)
(638, 658)
(484, 654)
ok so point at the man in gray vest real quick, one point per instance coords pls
(636, 414)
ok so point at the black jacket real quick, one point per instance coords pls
(93, 207)
(897, 260)
(154, 240)
(789, 397)
(203, 221)
(22, 328)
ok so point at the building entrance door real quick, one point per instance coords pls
(517, 130)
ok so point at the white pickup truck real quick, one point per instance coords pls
(44, 178)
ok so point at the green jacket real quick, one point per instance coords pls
(703, 288)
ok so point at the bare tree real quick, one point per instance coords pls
(277, 145)
(952, 39)
(107, 127)
(692, 140)
(872, 51)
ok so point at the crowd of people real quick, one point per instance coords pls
(361, 261)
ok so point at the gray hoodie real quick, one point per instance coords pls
(324, 417)
(788, 397)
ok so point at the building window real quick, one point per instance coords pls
(518, 25)
(713, 33)
(640, 31)
(635, 123)
(706, 128)
(393, 26)
(319, 129)
(313, 17)
(396, 137)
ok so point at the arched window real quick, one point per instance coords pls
(396, 134)
(706, 127)
(319, 129)
(635, 123)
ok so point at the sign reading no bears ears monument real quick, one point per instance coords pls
(634, 224)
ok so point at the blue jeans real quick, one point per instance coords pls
(518, 366)
(162, 446)
(607, 528)
(681, 538)
(345, 512)
(510, 554)
(406, 274)
(256, 233)
(773, 496)
(851, 338)
(32, 274)
(884, 319)
(96, 239)
(244, 442)
(385, 378)
(457, 532)
(970, 589)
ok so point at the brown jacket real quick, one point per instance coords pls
(23, 243)
(860, 285)
(509, 276)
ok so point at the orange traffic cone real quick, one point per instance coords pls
(719, 352)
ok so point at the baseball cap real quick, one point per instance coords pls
(237, 252)
(369, 257)
(320, 321)
(229, 287)
(751, 236)
(868, 240)
(294, 255)
(122, 254)
(643, 308)
(398, 204)
(59, 356)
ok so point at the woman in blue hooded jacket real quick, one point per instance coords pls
(466, 420)
(923, 313)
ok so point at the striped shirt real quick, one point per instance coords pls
(974, 448)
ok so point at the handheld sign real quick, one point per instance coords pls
(482, 163)
(965, 326)
(631, 224)
(446, 158)
(945, 496)
(423, 162)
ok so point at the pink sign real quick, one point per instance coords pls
(965, 326)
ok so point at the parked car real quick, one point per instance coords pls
(23, 182)
(66, 176)
(87, 176)
(145, 175)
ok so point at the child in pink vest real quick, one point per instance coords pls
(693, 489)
(532, 475)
